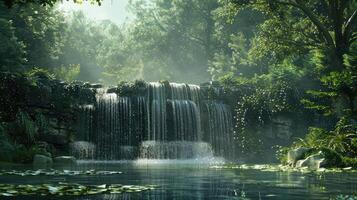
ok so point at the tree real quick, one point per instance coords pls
(324, 29)
(12, 51)
(36, 31)
(174, 37)
(333, 22)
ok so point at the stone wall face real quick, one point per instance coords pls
(51, 106)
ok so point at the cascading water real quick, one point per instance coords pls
(219, 128)
(157, 111)
(85, 128)
(175, 150)
(164, 123)
(184, 120)
(82, 149)
(107, 121)
(119, 126)
(182, 91)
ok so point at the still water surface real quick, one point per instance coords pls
(192, 180)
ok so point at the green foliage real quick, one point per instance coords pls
(349, 162)
(137, 88)
(257, 101)
(11, 149)
(67, 73)
(37, 76)
(39, 73)
(22, 154)
(281, 154)
(338, 145)
(12, 53)
(26, 127)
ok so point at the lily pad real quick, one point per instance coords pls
(53, 172)
(69, 189)
(282, 168)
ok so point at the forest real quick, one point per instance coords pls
(264, 82)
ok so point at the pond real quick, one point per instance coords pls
(185, 180)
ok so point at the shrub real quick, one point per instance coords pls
(26, 127)
(338, 145)
(349, 162)
(25, 155)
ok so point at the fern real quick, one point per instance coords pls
(27, 125)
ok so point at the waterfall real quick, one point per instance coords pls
(184, 120)
(108, 128)
(168, 120)
(119, 126)
(139, 120)
(157, 111)
(175, 150)
(85, 128)
(218, 131)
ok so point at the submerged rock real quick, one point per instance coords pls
(313, 162)
(65, 160)
(296, 154)
(42, 161)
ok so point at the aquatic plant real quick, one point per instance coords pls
(53, 172)
(69, 189)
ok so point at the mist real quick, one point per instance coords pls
(144, 40)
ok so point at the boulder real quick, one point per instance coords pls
(313, 162)
(296, 154)
(65, 160)
(42, 161)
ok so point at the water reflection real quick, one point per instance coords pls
(186, 181)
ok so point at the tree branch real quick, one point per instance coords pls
(315, 21)
(190, 37)
(158, 22)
